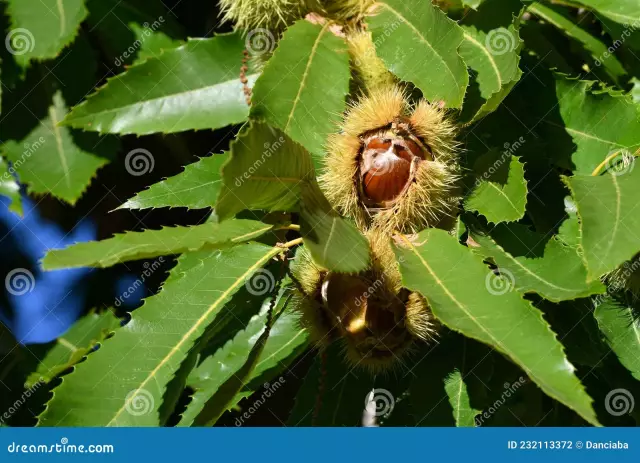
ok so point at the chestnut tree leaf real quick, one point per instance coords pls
(410, 33)
(266, 170)
(558, 275)
(287, 338)
(302, 88)
(463, 294)
(609, 220)
(195, 86)
(463, 413)
(48, 160)
(72, 346)
(622, 331)
(598, 50)
(501, 190)
(600, 123)
(133, 368)
(152, 243)
(333, 242)
(197, 187)
(40, 30)
(622, 11)
(495, 57)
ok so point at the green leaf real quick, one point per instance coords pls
(132, 31)
(266, 171)
(303, 87)
(40, 30)
(459, 289)
(286, 338)
(599, 123)
(342, 389)
(558, 275)
(334, 243)
(10, 188)
(472, 3)
(622, 331)
(495, 57)
(635, 91)
(124, 382)
(599, 51)
(607, 221)
(622, 11)
(72, 346)
(152, 243)
(501, 191)
(195, 86)
(50, 161)
(197, 187)
(456, 390)
(410, 33)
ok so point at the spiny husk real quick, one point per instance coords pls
(383, 280)
(432, 197)
(268, 14)
(371, 71)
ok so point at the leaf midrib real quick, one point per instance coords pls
(424, 40)
(92, 115)
(59, 144)
(494, 65)
(185, 338)
(305, 74)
